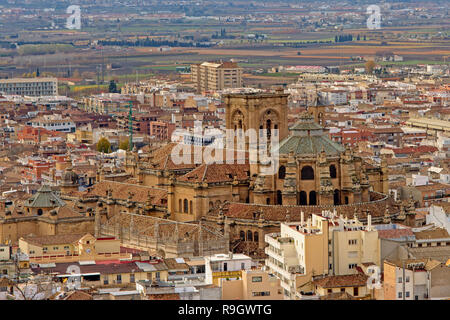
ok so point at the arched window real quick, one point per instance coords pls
(269, 127)
(190, 207)
(336, 197)
(268, 201)
(346, 200)
(242, 235)
(40, 212)
(185, 206)
(255, 236)
(180, 206)
(279, 197)
(333, 173)
(249, 236)
(312, 198)
(303, 200)
(307, 173)
(281, 172)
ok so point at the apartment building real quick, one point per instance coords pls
(220, 267)
(254, 285)
(53, 122)
(333, 97)
(29, 86)
(211, 76)
(352, 244)
(298, 251)
(323, 245)
(416, 279)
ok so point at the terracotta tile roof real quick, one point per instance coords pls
(415, 150)
(441, 254)
(278, 213)
(349, 280)
(214, 173)
(52, 239)
(120, 191)
(395, 233)
(173, 265)
(437, 233)
(433, 187)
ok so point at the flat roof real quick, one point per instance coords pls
(16, 80)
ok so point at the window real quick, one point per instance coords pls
(132, 280)
(333, 173)
(261, 294)
(352, 242)
(342, 289)
(307, 173)
(282, 172)
(119, 278)
(407, 294)
(66, 247)
(55, 248)
(249, 236)
(399, 279)
(255, 236)
(312, 198)
(105, 280)
(242, 235)
(329, 290)
(352, 266)
(158, 275)
(399, 295)
(242, 266)
(407, 279)
(355, 291)
(185, 206)
(256, 279)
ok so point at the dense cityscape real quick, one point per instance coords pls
(224, 150)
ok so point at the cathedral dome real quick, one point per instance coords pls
(308, 138)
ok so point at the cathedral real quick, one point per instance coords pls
(242, 202)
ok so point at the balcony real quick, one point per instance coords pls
(280, 270)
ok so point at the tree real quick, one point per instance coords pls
(124, 144)
(103, 145)
(28, 287)
(112, 87)
(370, 65)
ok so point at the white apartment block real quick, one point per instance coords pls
(333, 97)
(53, 123)
(324, 244)
(29, 86)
